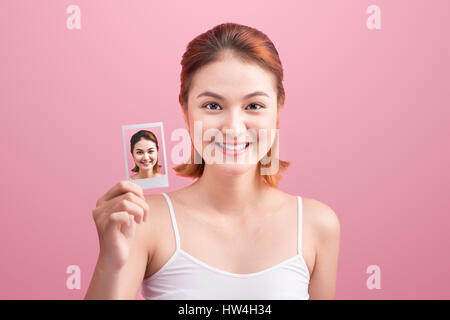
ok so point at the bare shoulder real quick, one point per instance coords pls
(157, 216)
(159, 230)
(318, 215)
(156, 202)
(321, 218)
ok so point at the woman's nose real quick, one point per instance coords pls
(234, 125)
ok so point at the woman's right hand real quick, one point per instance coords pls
(115, 216)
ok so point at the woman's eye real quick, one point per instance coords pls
(211, 104)
(255, 104)
(215, 106)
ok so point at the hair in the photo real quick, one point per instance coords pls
(249, 45)
(145, 134)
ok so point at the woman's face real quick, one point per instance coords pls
(145, 154)
(233, 101)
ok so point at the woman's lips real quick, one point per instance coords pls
(233, 149)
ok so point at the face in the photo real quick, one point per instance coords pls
(227, 106)
(145, 154)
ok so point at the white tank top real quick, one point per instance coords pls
(186, 277)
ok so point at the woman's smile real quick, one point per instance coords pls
(233, 149)
(146, 163)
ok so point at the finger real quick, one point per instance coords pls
(130, 229)
(117, 219)
(121, 187)
(139, 201)
(101, 214)
(130, 207)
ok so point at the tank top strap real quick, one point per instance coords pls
(174, 221)
(300, 223)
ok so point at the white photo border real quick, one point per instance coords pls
(156, 182)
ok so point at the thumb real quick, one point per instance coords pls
(130, 229)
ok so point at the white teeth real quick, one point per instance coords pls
(232, 147)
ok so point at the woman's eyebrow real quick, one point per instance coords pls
(137, 149)
(215, 95)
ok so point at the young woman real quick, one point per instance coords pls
(144, 149)
(231, 234)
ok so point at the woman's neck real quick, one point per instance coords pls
(145, 174)
(230, 194)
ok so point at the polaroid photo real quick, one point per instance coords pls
(145, 154)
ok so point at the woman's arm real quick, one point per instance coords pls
(323, 279)
(124, 283)
(110, 283)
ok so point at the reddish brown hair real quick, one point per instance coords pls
(247, 44)
(144, 134)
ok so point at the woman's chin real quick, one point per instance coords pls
(233, 169)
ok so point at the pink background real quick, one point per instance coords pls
(131, 164)
(365, 125)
